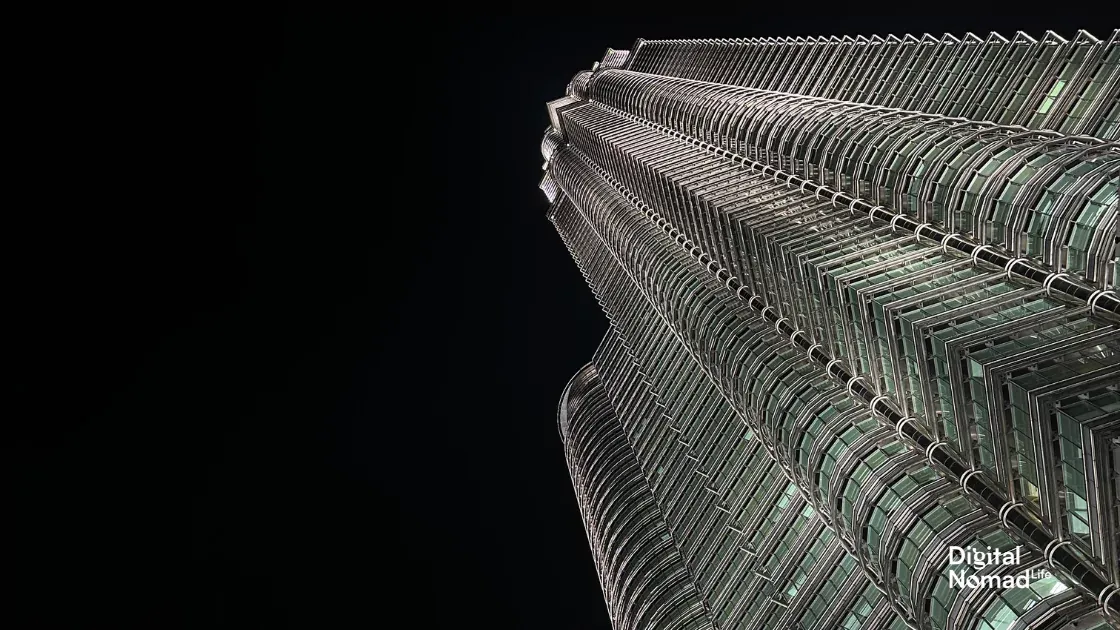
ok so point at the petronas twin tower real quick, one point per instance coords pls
(864, 330)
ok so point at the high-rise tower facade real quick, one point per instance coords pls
(864, 331)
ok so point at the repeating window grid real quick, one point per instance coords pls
(1008, 606)
(807, 580)
(780, 62)
(708, 105)
(672, 455)
(693, 198)
(762, 70)
(990, 46)
(869, 605)
(783, 545)
(614, 548)
(731, 58)
(682, 508)
(691, 502)
(924, 545)
(1044, 203)
(708, 527)
(828, 228)
(752, 345)
(867, 512)
(857, 466)
(807, 273)
(900, 84)
(1033, 84)
(1067, 448)
(1010, 67)
(927, 78)
(739, 58)
(1087, 244)
(860, 468)
(707, 59)
(868, 62)
(773, 368)
(987, 61)
(893, 510)
(900, 300)
(760, 501)
(826, 66)
(603, 477)
(941, 193)
(1032, 467)
(786, 518)
(979, 177)
(800, 56)
(987, 299)
(967, 58)
(958, 349)
(1076, 511)
(1083, 62)
(758, 373)
(719, 440)
(800, 394)
(806, 68)
(811, 429)
(1102, 440)
(867, 299)
(713, 565)
(634, 523)
(897, 54)
(780, 242)
(831, 268)
(850, 293)
(826, 462)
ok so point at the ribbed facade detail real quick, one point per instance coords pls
(644, 580)
(852, 329)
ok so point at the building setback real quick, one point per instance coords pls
(863, 321)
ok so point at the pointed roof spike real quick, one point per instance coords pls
(1021, 37)
(910, 39)
(971, 38)
(994, 36)
(834, 39)
(861, 39)
(948, 38)
(875, 39)
(846, 39)
(928, 39)
(893, 39)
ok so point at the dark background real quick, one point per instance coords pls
(290, 326)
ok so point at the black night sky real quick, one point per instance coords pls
(291, 327)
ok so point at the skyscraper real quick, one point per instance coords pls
(864, 332)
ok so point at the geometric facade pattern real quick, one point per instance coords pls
(863, 316)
